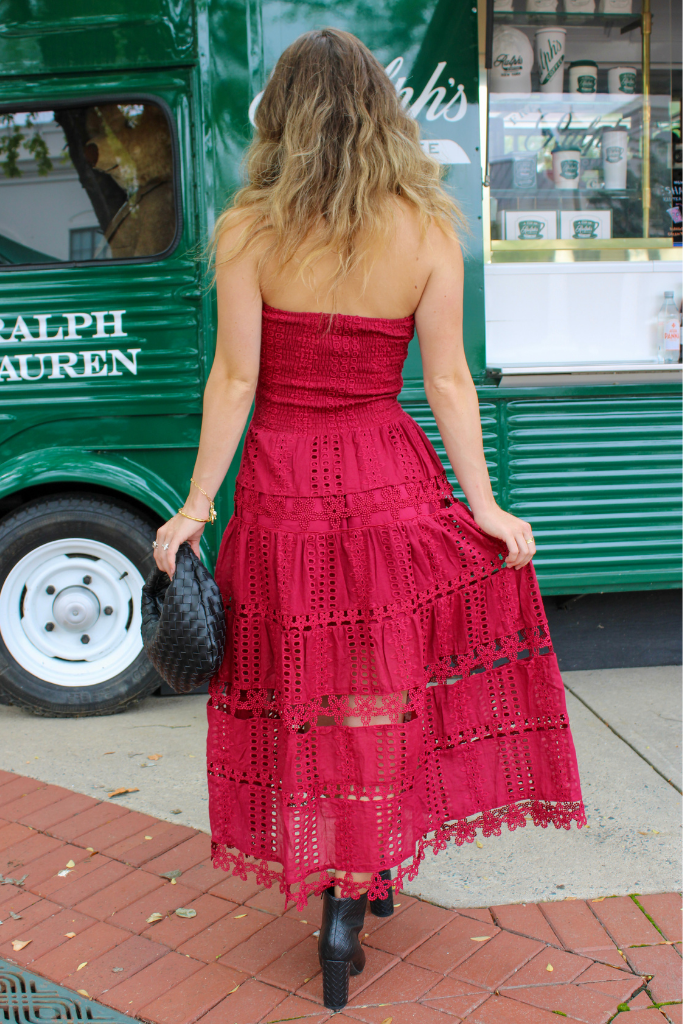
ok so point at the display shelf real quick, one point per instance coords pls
(547, 245)
(572, 102)
(547, 194)
(563, 18)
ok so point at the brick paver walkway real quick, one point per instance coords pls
(96, 873)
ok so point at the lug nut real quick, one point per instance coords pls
(85, 639)
(49, 626)
(87, 580)
(50, 589)
(108, 610)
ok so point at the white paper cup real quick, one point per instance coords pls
(614, 158)
(503, 5)
(549, 47)
(622, 80)
(583, 76)
(579, 6)
(541, 5)
(566, 168)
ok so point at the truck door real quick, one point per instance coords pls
(100, 374)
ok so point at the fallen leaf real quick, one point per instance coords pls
(316, 934)
(156, 916)
(63, 873)
(173, 881)
(81, 966)
(82, 992)
(184, 912)
(175, 873)
(148, 837)
(154, 757)
(655, 831)
(238, 916)
(108, 752)
(387, 1020)
(397, 904)
(570, 897)
(480, 844)
(190, 755)
(70, 864)
(90, 849)
(303, 922)
(480, 938)
(117, 970)
(306, 979)
(70, 935)
(550, 967)
(177, 810)
(15, 917)
(18, 944)
(233, 990)
(599, 899)
(123, 789)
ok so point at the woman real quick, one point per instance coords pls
(389, 682)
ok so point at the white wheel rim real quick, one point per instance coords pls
(70, 612)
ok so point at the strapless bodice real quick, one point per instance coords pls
(319, 372)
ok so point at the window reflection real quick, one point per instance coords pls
(85, 183)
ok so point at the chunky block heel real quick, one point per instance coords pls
(336, 983)
(339, 948)
(383, 907)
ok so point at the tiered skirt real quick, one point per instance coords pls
(388, 685)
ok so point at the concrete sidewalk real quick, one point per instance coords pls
(91, 891)
(632, 844)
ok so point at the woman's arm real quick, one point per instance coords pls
(227, 399)
(453, 399)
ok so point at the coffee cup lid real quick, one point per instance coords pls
(583, 64)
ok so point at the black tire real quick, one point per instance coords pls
(57, 518)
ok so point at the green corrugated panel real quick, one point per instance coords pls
(600, 480)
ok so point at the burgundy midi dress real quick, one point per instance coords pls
(355, 585)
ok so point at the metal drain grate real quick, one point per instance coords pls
(27, 999)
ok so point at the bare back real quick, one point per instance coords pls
(393, 289)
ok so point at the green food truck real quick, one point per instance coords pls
(122, 130)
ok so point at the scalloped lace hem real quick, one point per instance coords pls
(490, 823)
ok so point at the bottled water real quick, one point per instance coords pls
(668, 331)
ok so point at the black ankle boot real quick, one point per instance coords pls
(339, 949)
(383, 907)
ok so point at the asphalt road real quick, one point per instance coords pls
(632, 844)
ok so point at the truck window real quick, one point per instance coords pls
(87, 183)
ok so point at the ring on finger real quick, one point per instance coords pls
(166, 547)
(154, 544)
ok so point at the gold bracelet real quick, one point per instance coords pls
(194, 518)
(212, 510)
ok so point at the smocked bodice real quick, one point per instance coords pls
(344, 377)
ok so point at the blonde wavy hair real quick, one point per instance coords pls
(333, 150)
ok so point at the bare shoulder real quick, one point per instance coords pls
(233, 231)
(434, 246)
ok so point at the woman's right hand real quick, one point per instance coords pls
(169, 538)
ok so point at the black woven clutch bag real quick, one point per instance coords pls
(183, 623)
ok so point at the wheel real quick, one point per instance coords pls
(71, 571)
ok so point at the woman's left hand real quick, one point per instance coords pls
(169, 538)
(514, 532)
